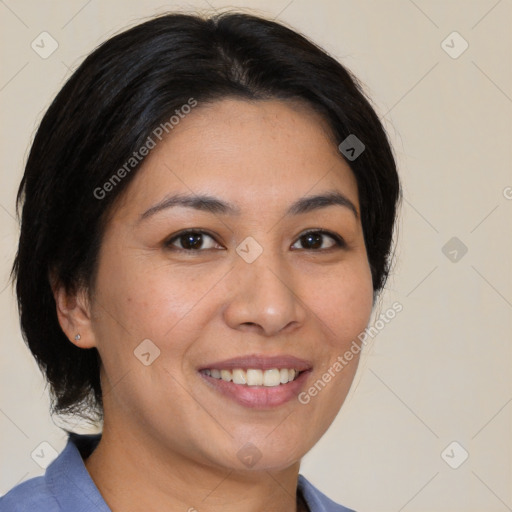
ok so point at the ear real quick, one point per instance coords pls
(74, 314)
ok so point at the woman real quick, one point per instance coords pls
(207, 217)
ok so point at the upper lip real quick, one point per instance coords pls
(261, 362)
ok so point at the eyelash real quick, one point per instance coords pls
(339, 242)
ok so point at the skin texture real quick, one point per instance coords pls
(170, 441)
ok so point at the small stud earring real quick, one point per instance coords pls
(77, 337)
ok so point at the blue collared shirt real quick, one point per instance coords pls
(66, 486)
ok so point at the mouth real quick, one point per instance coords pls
(257, 381)
(255, 376)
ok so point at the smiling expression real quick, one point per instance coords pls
(238, 251)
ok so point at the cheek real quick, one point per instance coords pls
(344, 303)
(148, 300)
(343, 306)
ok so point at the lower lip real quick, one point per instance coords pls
(259, 397)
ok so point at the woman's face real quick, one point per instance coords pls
(246, 289)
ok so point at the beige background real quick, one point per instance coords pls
(441, 370)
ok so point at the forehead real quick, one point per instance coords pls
(262, 154)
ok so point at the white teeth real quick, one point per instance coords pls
(255, 376)
(239, 376)
(272, 377)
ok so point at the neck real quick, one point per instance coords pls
(134, 473)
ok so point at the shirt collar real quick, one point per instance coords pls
(68, 478)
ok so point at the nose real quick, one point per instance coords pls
(265, 298)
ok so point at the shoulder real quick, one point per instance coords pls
(66, 485)
(29, 496)
(316, 500)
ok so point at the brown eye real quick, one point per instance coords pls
(314, 240)
(191, 241)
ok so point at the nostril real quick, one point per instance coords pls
(250, 324)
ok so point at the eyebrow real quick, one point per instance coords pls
(215, 205)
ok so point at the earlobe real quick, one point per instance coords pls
(73, 312)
